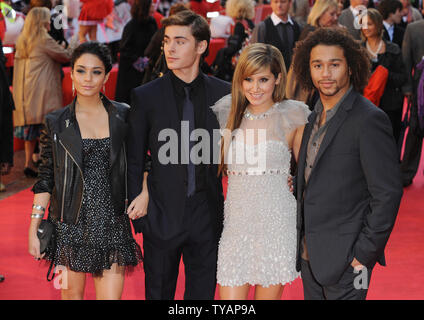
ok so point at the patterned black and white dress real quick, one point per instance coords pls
(99, 238)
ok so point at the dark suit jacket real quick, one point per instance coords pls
(398, 34)
(412, 52)
(347, 19)
(266, 32)
(349, 206)
(153, 110)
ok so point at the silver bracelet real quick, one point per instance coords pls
(37, 216)
(37, 207)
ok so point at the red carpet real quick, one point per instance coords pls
(401, 279)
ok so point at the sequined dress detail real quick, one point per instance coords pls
(258, 242)
(99, 238)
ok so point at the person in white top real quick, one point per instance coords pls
(260, 130)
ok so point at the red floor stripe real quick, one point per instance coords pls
(401, 279)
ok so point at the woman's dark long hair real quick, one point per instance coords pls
(140, 10)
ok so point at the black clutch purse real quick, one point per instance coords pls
(45, 234)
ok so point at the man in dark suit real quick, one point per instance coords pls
(413, 53)
(391, 11)
(350, 17)
(185, 198)
(348, 181)
(279, 29)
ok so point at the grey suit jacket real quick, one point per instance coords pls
(349, 206)
(412, 50)
(346, 19)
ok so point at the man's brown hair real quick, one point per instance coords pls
(355, 54)
(198, 25)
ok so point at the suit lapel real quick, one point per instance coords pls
(211, 121)
(302, 153)
(168, 101)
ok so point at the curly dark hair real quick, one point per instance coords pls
(355, 54)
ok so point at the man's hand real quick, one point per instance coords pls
(138, 207)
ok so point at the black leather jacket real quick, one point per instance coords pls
(61, 172)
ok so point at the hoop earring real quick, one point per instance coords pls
(73, 89)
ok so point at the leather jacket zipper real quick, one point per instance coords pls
(64, 179)
(82, 177)
(64, 186)
(126, 185)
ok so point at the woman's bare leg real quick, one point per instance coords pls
(111, 284)
(82, 33)
(273, 292)
(29, 150)
(73, 284)
(92, 33)
(234, 293)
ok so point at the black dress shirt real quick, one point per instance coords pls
(198, 98)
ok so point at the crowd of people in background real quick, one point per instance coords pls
(135, 24)
(390, 31)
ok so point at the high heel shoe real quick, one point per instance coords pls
(29, 173)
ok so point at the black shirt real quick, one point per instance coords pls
(198, 98)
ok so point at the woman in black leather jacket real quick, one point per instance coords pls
(386, 54)
(83, 177)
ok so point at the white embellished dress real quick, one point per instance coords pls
(258, 242)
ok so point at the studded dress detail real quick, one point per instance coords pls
(258, 242)
(99, 238)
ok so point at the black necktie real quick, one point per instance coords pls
(188, 115)
(283, 33)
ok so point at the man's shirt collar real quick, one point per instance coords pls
(276, 19)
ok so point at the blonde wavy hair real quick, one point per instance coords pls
(252, 59)
(319, 9)
(34, 31)
(240, 9)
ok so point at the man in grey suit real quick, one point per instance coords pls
(348, 181)
(348, 16)
(413, 53)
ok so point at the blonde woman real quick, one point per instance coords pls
(240, 9)
(37, 85)
(323, 14)
(258, 242)
(242, 12)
